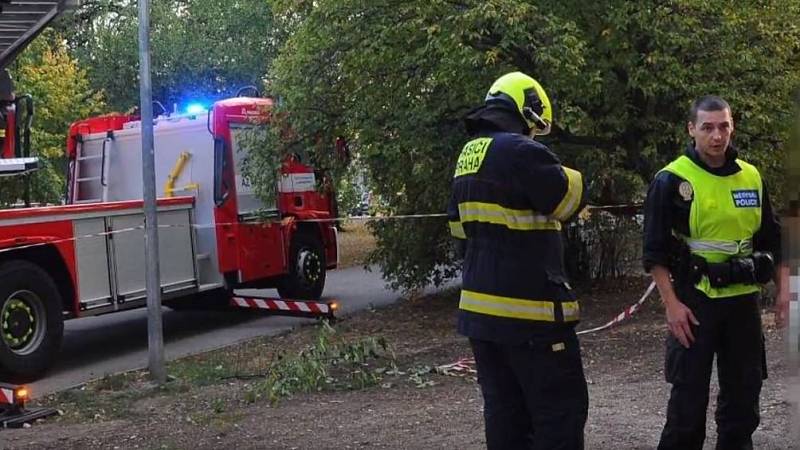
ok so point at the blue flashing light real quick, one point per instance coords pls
(196, 108)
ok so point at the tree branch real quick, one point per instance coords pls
(567, 137)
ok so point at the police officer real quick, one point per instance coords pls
(710, 239)
(510, 195)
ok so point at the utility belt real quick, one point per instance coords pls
(757, 268)
(688, 267)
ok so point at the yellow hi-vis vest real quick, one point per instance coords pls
(725, 214)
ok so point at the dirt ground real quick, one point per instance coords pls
(413, 408)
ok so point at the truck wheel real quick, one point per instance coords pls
(306, 278)
(31, 320)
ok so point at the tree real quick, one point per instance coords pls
(201, 49)
(62, 95)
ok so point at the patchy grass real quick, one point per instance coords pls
(106, 399)
(115, 396)
(355, 243)
(205, 369)
(275, 367)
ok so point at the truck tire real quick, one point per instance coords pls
(31, 320)
(306, 277)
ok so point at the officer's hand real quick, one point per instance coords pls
(678, 318)
(781, 308)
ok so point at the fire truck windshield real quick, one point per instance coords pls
(247, 140)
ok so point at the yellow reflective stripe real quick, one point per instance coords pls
(572, 199)
(2, 132)
(514, 219)
(457, 230)
(515, 308)
(572, 311)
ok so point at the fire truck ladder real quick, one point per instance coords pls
(91, 169)
(20, 22)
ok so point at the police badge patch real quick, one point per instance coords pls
(686, 191)
(746, 198)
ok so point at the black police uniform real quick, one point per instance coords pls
(729, 327)
(530, 371)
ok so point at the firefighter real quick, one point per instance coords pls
(510, 195)
(709, 227)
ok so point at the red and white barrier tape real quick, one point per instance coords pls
(465, 366)
(75, 238)
(422, 216)
(627, 313)
(214, 225)
(460, 368)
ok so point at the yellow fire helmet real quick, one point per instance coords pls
(527, 96)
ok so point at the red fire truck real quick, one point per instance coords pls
(86, 257)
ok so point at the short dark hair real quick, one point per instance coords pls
(707, 103)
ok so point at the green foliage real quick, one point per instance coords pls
(329, 363)
(395, 77)
(61, 94)
(201, 371)
(259, 164)
(648, 60)
(602, 245)
(348, 192)
(201, 49)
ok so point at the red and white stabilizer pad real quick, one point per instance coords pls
(626, 314)
(286, 307)
(13, 413)
(7, 396)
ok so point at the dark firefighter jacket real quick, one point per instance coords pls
(510, 195)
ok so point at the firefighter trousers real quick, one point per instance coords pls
(731, 329)
(534, 394)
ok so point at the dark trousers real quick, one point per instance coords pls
(534, 395)
(731, 329)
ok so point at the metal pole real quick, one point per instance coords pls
(154, 328)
